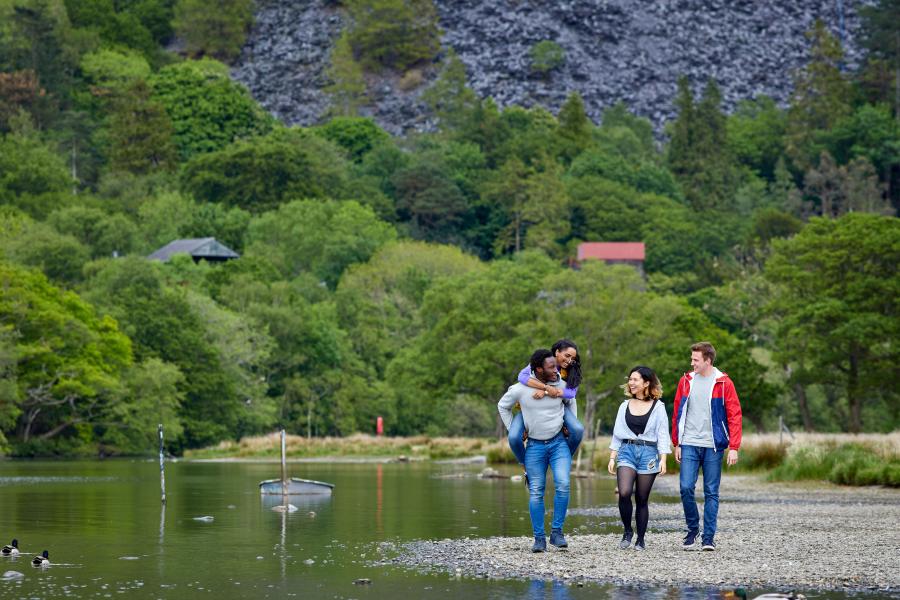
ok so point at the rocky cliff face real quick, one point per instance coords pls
(616, 50)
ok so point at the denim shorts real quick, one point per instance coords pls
(643, 459)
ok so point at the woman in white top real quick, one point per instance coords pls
(640, 445)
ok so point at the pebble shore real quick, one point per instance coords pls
(776, 536)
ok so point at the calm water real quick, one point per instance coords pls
(108, 535)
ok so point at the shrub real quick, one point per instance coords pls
(393, 34)
(547, 56)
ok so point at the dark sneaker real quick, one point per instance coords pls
(688, 542)
(639, 545)
(558, 539)
(540, 544)
(525, 479)
(626, 539)
(709, 546)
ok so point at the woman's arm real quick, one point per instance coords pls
(525, 378)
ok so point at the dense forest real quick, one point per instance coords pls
(410, 278)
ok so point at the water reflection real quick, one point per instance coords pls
(544, 590)
(111, 510)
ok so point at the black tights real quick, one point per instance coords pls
(625, 477)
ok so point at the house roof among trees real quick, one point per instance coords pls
(206, 248)
(611, 250)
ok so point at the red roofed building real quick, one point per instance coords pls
(629, 253)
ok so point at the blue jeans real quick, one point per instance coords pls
(539, 455)
(694, 458)
(517, 428)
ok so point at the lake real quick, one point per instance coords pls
(108, 534)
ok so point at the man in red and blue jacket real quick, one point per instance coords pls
(706, 421)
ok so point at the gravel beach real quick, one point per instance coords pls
(778, 536)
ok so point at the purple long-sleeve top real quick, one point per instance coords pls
(526, 374)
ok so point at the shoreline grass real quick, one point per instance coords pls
(844, 459)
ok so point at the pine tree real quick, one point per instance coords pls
(881, 35)
(393, 34)
(449, 98)
(574, 126)
(140, 133)
(821, 97)
(680, 152)
(698, 151)
(348, 87)
(216, 29)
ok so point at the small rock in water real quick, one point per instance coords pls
(362, 581)
(311, 514)
(232, 506)
(309, 561)
(129, 558)
(10, 575)
(285, 508)
(205, 519)
(260, 558)
(516, 478)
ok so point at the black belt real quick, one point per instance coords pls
(639, 443)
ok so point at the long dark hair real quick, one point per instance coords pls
(573, 371)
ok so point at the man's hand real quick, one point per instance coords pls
(678, 454)
(554, 392)
(732, 458)
(538, 394)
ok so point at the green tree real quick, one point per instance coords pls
(34, 244)
(836, 305)
(356, 135)
(574, 127)
(112, 72)
(321, 237)
(756, 135)
(68, 360)
(208, 110)
(449, 98)
(140, 133)
(380, 300)
(104, 234)
(347, 90)
(881, 36)
(152, 396)
(821, 98)
(478, 332)
(546, 57)
(393, 34)
(162, 324)
(260, 174)
(216, 29)
(32, 176)
(698, 151)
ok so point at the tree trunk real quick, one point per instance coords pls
(803, 404)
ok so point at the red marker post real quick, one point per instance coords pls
(379, 426)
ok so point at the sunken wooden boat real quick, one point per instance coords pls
(293, 486)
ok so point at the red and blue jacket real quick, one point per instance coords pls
(724, 411)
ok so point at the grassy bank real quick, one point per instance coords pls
(866, 459)
(358, 445)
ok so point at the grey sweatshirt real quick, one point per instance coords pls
(543, 418)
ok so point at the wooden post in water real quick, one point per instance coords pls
(284, 479)
(162, 462)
